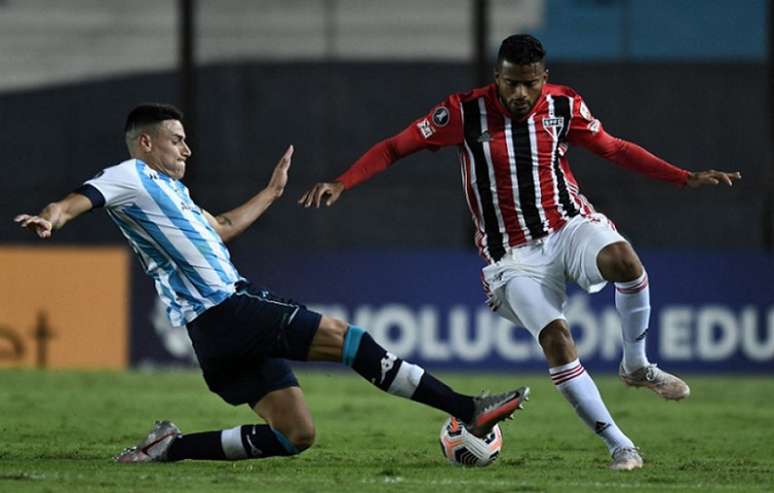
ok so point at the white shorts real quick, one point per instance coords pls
(527, 286)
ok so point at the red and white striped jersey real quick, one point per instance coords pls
(515, 173)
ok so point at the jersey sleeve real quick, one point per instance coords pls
(440, 127)
(116, 186)
(587, 131)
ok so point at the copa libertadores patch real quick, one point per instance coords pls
(441, 116)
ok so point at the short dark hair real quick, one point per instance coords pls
(521, 49)
(150, 113)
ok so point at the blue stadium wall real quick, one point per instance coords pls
(711, 312)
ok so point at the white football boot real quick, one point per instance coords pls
(155, 446)
(626, 459)
(651, 376)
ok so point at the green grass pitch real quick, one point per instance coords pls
(60, 429)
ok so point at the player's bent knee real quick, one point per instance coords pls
(295, 438)
(302, 438)
(628, 268)
(619, 263)
(556, 341)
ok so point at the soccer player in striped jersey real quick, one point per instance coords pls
(242, 334)
(532, 225)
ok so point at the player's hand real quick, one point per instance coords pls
(279, 177)
(317, 193)
(42, 227)
(701, 178)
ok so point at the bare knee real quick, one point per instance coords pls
(285, 410)
(301, 437)
(618, 262)
(557, 343)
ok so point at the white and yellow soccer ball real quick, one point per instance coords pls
(464, 449)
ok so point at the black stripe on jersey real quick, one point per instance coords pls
(562, 109)
(522, 151)
(472, 133)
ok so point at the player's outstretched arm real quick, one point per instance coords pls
(377, 159)
(234, 222)
(315, 195)
(55, 215)
(712, 177)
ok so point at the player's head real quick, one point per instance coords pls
(154, 134)
(520, 73)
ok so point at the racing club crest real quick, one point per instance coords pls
(441, 116)
(553, 126)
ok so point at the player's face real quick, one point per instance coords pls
(169, 151)
(519, 86)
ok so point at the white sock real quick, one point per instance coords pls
(580, 391)
(632, 299)
(231, 441)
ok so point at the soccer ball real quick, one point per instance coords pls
(464, 449)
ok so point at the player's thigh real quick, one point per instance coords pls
(286, 410)
(584, 240)
(329, 340)
(531, 303)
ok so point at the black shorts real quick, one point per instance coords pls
(243, 342)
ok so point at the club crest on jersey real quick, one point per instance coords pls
(425, 128)
(441, 116)
(553, 125)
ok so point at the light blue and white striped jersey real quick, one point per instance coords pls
(186, 257)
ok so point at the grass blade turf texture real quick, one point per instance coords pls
(60, 430)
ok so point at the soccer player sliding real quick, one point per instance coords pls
(242, 334)
(533, 227)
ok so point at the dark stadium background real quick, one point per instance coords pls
(689, 80)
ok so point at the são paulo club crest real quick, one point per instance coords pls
(553, 125)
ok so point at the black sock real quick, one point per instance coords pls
(242, 442)
(201, 446)
(437, 394)
(398, 377)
